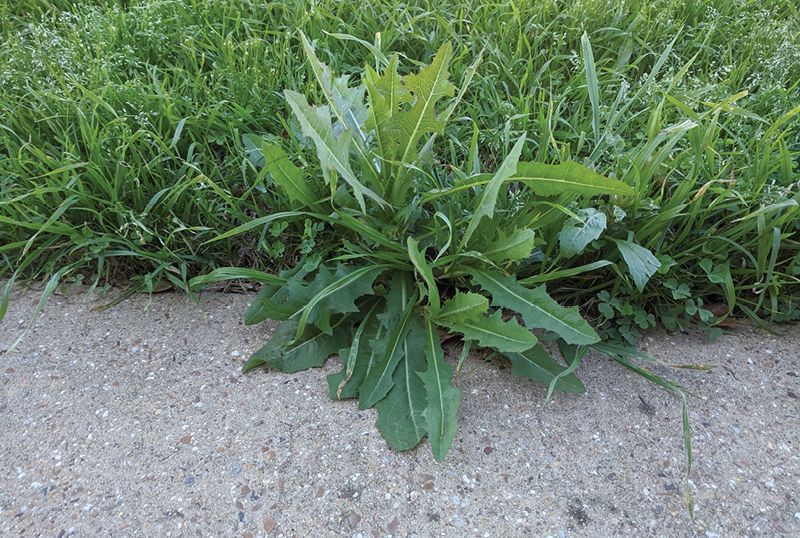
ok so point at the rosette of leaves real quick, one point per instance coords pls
(421, 247)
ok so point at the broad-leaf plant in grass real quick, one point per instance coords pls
(422, 248)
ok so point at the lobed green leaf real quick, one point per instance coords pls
(401, 419)
(537, 365)
(538, 309)
(288, 177)
(400, 305)
(287, 353)
(514, 247)
(424, 269)
(494, 332)
(462, 306)
(333, 151)
(338, 296)
(354, 359)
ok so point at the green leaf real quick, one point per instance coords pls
(288, 177)
(425, 271)
(720, 274)
(51, 221)
(538, 309)
(640, 261)
(488, 200)
(6, 296)
(574, 236)
(49, 288)
(568, 177)
(283, 336)
(441, 414)
(516, 246)
(462, 306)
(367, 232)
(355, 359)
(406, 127)
(591, 84)
(252, 147)
(427, 86)
(606, 309)
(400, 413)
(706, 264)
(400, 305)
(386, 94)
(255, 223)
(311, 350)
(564, 273)
(281, 301)
(222, 274)
(687, 430)
(573, 356)
(347, 104)
(679, 290)
(492, 331)
(468, 74)
(333, 151)
(537, 365)
(339, 296)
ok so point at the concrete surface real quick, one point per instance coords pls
(137, 421)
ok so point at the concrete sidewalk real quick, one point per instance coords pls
(137, 421)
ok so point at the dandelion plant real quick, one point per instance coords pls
(422, 248)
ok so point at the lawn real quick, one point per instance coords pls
(123, 141)
(510, 173)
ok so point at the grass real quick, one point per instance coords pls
(123, 150)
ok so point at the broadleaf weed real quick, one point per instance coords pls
(417, 251)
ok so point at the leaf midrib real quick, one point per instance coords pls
(435, 364)
(484, 330)
(330, 290)
(428, 102)
(451, 314)
(296, 181)
(611, 189)
(537, 307)
(408, 372)
(508, 247)
(396, 337)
